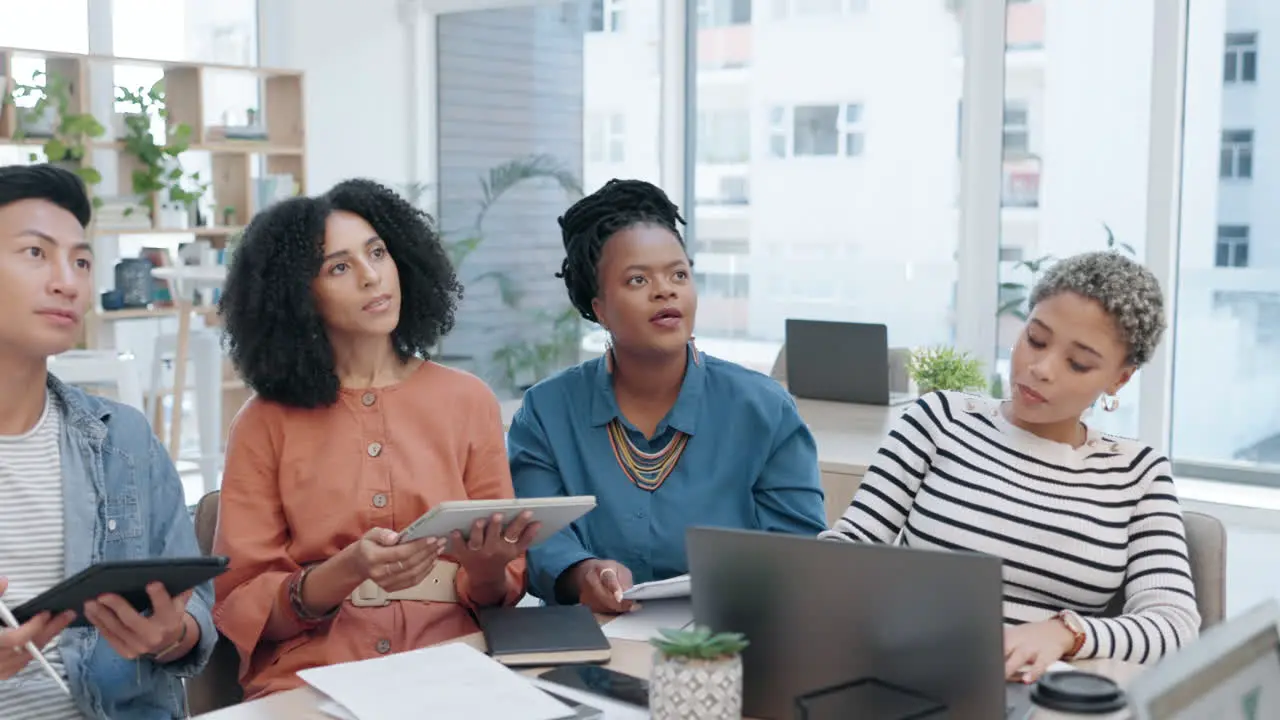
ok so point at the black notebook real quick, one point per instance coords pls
(548, 635)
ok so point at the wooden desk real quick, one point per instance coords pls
(847, 435)
(629, 656)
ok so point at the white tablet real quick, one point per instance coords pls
(554, 513)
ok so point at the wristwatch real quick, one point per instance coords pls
(1073, 623)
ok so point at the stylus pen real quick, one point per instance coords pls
(12, 622)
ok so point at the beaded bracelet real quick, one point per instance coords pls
(295, 598)
(158, 656)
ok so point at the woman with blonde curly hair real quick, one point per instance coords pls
(1078, 517)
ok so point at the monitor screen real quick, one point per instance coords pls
(1243, 684)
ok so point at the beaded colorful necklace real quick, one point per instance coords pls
(647, 470)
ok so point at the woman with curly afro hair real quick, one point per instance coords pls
(331, 305)
(662, 434)
(1088, 524)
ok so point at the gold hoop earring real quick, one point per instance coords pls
(1110, 403)
(608, 351)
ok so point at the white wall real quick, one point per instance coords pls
(359, 62)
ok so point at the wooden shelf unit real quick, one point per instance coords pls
(235, 164)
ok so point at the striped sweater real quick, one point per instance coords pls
(1074, 526)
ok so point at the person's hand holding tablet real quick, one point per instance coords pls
(489, 547)
(379, 556)
(167, 634)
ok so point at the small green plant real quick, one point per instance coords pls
(72, 131)
(158, 170)
(699, 643)
(945, 368)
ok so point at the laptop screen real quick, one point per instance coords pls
(1243, 684)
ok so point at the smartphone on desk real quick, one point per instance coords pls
(594, 679)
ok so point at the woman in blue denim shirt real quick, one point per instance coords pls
(85, 481)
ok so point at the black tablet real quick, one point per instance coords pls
(126, 578)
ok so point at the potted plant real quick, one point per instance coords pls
(67, 133)
(945, 368)
(158, 172)
(696, 674)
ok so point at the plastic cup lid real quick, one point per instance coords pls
(1078, 692)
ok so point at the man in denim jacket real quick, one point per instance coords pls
(82, 480)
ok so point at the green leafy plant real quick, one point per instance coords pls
(1014, 295)
(525, 362)
(72, 131)
(518, 357)
(945, 368)
(500, 180)
(699, 643)
(158, 170)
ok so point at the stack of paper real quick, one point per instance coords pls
(445, 681)
(678, 586)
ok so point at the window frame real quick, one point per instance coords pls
(781, 128)
(1235, 154)
(1016, 129)
(1240, 49)
(611, 15)
(1234, 239)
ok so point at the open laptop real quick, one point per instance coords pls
(1231, 673)
(819, 614)
(840, 362)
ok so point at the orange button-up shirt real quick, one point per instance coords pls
(301, 485)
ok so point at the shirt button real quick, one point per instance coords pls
(369, 399)
(640, 514)
(111, 525)
(379, 500)
(375, 449)
(383, 647)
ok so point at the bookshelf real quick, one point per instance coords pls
(244, 163)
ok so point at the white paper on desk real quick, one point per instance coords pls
(653, 615)
(334, 710)
(676, 587)
(445, 681)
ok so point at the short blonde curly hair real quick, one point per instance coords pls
(1128, 292)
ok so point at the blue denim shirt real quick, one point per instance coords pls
(123, 500)
(751, 463)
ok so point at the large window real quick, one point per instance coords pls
(1073, 98)
(564, 97)
(1226, 420)
(841, 205)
